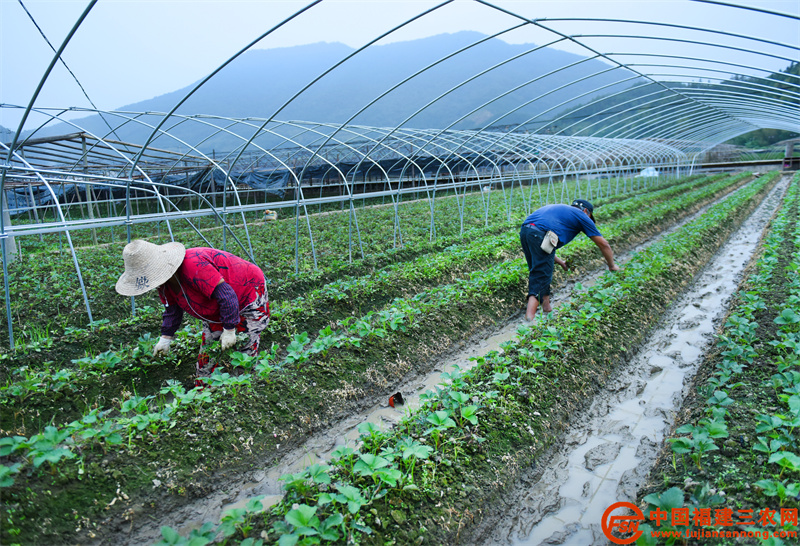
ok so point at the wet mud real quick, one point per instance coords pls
(597, 447)
(606, 455)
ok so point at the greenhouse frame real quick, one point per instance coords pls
(628, 117)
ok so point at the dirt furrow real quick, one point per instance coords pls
(607, 453)
(318, 447)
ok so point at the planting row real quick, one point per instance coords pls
(292, 402)
(510, 198)
(349, 306)
(422, 480)
(298, 351)
(735, 458)
(46, 296)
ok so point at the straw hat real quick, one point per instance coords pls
(148, 266)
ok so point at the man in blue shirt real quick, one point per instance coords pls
(566, 221)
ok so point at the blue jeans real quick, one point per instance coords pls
(540, 263)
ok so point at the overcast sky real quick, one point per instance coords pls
(127, 51)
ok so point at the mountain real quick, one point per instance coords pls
(264, 84)
(6, 134)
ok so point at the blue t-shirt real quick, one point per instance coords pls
(566, 221)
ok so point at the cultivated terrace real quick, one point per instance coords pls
(733, 463)
(99, 436)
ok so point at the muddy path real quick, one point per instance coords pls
(231, 493)
(609, 450)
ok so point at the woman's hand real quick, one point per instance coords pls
(162, 347)
(228, 338)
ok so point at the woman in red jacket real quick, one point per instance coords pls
(227, 293)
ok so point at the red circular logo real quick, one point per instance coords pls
(622, 524)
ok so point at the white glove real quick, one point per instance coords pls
(228, 338)
(162, 347)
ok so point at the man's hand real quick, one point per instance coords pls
(228, 338)
(162, 347)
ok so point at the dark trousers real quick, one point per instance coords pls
(540, 263)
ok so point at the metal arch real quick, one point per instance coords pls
(415, 135)
(587, 153)
(675, 123)
(108, 144)
(599, 161)
(233, 185)
(574, 39)
(674, 26)
(146, 176)
(519, 142)
(489, 157)
(452, 89)
(11, 149)
(220, 67)
(308, 148)
(189, 146)
(701, 96)
(511, 132)
(725, 87)
(660, 95)
(65, 229)
(451, 137)
(409, 160)
(685, 41)
(486, 103)
(600, 113)
(663, 116)
(301, 199)
(514, 160)
(493, 145)
(768, 113)
(759, 100)
(674, 101)
(225, 227)
(354, 53)
(749, 8)
(567, 159)
(716, 62)
(249, 142)
(409, 137)
(363, 156)
(417, 73)
(352, 212)
(38, 90)
(7, 292)
(703, 118)
(463, 83)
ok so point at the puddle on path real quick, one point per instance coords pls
(606, 458)
(319, 447)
